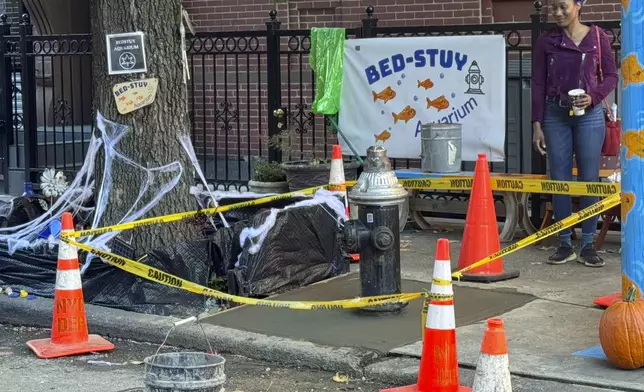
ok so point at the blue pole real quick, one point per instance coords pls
(632, 152)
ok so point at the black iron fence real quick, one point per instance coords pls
(238, 80)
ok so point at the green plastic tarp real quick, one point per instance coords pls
(326, 60)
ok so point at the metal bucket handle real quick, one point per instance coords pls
(176, 324)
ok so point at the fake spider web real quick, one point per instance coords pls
(27, 236)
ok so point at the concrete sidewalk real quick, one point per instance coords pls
(543, 334)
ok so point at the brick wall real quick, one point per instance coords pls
(13, 10)
(229, 85)
(223, 15)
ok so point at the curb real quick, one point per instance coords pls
(117, 323)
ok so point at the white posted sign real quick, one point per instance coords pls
(393, 85)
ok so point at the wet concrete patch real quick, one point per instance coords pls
(351, 328)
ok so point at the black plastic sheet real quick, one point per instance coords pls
(303, 247)
(109, 286)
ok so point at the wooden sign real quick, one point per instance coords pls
(130, 96)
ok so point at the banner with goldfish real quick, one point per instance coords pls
(391, 86)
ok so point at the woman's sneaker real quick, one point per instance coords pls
(562, 255)
(589, 257)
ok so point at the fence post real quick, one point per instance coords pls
(274, 83)
(538, 162)
(369, 24)
(27, 84)
(6, 109)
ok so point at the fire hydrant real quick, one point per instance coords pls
(375, 235)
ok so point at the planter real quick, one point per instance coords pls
(302, 174)
(268, 187)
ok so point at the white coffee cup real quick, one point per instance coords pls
(576, 93)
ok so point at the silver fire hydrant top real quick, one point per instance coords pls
(377, 184)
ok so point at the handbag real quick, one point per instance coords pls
(612, 141)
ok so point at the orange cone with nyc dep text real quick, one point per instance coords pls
(438, 370)
(493, 367)
(69, 334)
(481, 235)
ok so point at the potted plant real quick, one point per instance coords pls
(309, 170)
(268, 177)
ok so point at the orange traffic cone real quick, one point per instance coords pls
(493, 367)
(69, 334)
(337, 181)
(439, 362)
(481, 235)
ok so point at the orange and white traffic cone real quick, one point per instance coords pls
(69, 335)
(439, 361)
(337, 183)
(441, 278)
(493, 367)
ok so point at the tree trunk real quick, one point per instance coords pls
(153, 138)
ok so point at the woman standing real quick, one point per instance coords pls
(567, 58)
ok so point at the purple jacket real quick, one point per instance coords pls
(558, 68)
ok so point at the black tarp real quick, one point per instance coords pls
(304, 247)
(109, 286)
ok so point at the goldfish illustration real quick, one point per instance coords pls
(123, 98)
(439, 103)
(130, 102)
(625, 4)
(427, 83)
(383, 136)
(385, 95)
(140, 97)
(632, 72)
(405, 115)
(634, 142)
(628, 202)
(627, 283)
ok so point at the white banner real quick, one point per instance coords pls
(393, 85)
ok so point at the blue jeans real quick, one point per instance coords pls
(583, 135)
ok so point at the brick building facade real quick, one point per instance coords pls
(221, 15)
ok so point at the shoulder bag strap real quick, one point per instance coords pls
(601, 73)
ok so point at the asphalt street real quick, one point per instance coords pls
(122, 370)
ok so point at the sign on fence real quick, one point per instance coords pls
(126, 53)
(393, 85)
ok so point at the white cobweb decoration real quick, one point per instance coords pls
(27, 236)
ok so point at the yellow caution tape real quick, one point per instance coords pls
(595, 209)
(441, 282)
(158, 276)
(512, 184)
(192, 214)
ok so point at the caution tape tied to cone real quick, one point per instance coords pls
(158, 276)
(167, 279)
(597, 208)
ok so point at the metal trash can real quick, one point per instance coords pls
(441, 147)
